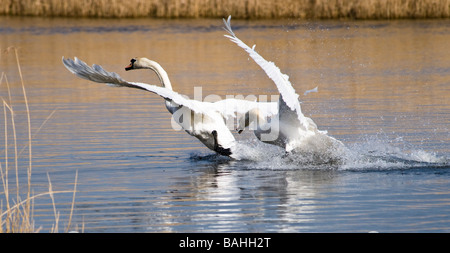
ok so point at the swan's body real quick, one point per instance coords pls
(296, 133)
(203, 120)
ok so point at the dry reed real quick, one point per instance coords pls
(18, 216)
(309, 9)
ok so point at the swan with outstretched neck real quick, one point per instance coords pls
(203, 120)
(205, 127)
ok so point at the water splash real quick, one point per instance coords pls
(371, 153)
(379, 153)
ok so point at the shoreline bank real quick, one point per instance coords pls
(243, 9)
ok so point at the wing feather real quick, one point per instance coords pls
(227, 108)
(97, 74)
(287, 92)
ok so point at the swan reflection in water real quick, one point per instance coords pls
(223, 196)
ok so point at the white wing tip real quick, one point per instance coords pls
(228, 26)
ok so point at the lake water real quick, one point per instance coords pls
(384, 89)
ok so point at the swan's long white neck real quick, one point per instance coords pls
(160, 72)
(163, 77)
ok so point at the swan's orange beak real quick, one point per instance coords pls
(129, 67)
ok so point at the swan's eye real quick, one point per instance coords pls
(133, 60)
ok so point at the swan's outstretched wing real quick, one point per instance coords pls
(97, 74)
(281, 80)
(227, 107)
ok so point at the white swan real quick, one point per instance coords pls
(203, 120)
(296, 133)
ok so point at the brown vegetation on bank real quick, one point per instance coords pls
(307, 9)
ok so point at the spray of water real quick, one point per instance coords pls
(369, 153)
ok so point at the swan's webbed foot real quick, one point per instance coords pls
(219, 149)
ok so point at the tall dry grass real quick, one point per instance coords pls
(311, 9)
(17, 217)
